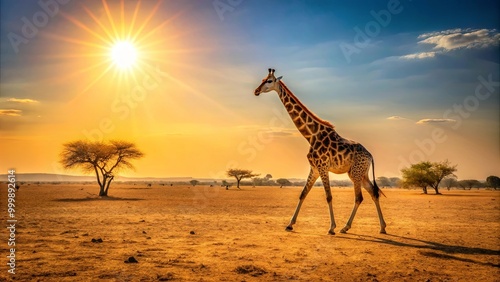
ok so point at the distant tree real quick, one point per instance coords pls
(103, 158)
(194, 182)
(440, 171)
(425, 174)
(265, 181)
(283, 182)
(449, 182)
(338, 183)
(257, 181)
(240, 174)
(395, 181)
(417, 175)
(383, 181)
(469, 183)
(493, 181)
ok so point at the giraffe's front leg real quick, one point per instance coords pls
(313, 176)
(326, 183)
(295, 214)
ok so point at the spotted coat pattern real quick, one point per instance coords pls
(329, 152)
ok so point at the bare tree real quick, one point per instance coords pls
(103, 158)
(240, 174)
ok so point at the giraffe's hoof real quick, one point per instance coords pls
(343, 230)
(289, 228)
(383, 232)
(331, 232)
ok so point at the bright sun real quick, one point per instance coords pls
(123, 54)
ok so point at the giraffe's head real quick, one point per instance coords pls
(269, 83)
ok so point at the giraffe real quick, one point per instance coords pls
(329, 152)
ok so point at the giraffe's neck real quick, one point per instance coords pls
(306, 121)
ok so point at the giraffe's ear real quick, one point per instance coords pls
(279, 78)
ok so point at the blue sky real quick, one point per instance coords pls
(400, 77)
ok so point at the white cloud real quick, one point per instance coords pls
(10, 112)
(452, 39)
(22, 101)
(458, 38)
(435, 120)
(421, 55)
(396, 118)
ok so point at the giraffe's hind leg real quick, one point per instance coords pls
(358, 198)
(313, 176)
(375, 197)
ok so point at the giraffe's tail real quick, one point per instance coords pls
(376, 190)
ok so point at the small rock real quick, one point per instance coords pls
(131, 260)
(98, 240)
(144, 232)
(192, 232)
(169, 276)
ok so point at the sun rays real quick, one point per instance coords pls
(114, 42)
(123, 57)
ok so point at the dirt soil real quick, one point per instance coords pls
(181, 233)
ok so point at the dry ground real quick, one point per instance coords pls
(239, 235)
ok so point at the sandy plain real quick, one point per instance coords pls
(203, 233)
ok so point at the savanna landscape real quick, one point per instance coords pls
(66, 232)
(172, 140)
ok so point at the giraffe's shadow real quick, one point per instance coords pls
(428, 248)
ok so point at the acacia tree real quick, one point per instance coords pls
(450, 182)
(240, 174)
(103, 158)
(417, 175)
(194, 182)
(383, 181)
(493, 181)
(283, 182)
(469, 183)
(426, 174)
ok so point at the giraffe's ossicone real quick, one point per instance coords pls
(329, 152)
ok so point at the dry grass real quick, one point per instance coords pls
(210, 234)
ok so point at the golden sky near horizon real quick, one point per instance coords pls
(181, 87)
